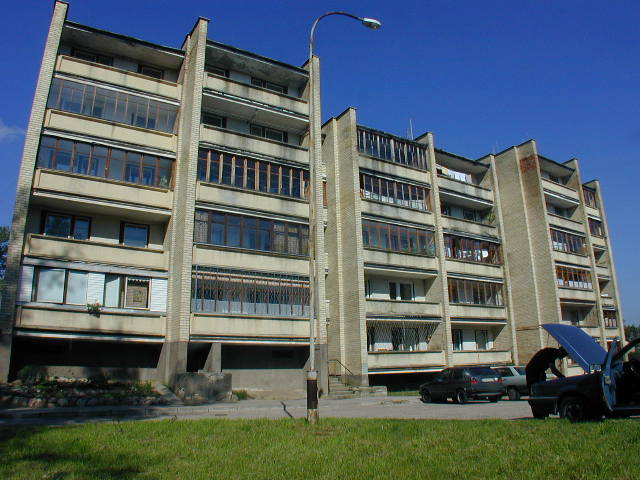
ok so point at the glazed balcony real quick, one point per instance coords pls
(44, 246)
(116, 76)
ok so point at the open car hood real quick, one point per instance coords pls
(579, 346)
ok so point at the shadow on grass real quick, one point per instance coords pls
(32, 452)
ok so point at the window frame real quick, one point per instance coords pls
(264, 131)
(72, 230)
(125, 286)
(143, 68)
(97, 57)
(123, 226)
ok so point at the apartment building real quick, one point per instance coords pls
(161, 226)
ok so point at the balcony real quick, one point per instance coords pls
(86, 251)
(101, 194)
(467, 189)
(567, 293)
(561, 191)
(591, 211)
(387, 260)
(237, 258)
(380, 308)
(119, 132)
(251, 199)
(603, 271)
(573, 258)
(487, 357)
(256, 94)
(398, 212)
(564, 222)
(474, 268)
(454, 225)
(485, 312)
(405, 360)
(76, 319)
(250, 143)
(116, 76)
(249, 327)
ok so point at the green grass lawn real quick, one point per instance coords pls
(335, 449)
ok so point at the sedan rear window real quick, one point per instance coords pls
(521, 370)
(482, 371)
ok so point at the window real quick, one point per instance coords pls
(398, 238)
(394, 192)
(464, 213)
(569, 277)
(456, 337)
(92, 56)
(399, 336)
(472, 250)
(231, 230)
(258, 82)
(136, 292)
(482, 339)
(401, 291)
(151, 71)
(227, 291)
(595, 227)
(214, 120)
(456, 175)
(610, 319)
(98, 161)
(216, 70)
(590, 197)
(386, 147)
(567, 242)
(269, 133)
(112, 105)
(475, 292)
(68, 226)
(112, 291)
(251, 174)
(554, 178)
(57, 285)
(559, 211)
(134, 235)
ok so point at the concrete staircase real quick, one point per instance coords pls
(339, 390)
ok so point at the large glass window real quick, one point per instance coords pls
(567, 242)
(225, 291)
(134, 235)
(136, 292)
(394, 192)
(104, 162)
(112, 105)
(398, 238)
(252, 174)
(50, 285)
(76, 287)
(231, 230)
(573, 277)
(392, 149)
(397, 336)
(68, 226)
(474, 292)
(472, 250)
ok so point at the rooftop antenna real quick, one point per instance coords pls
(410, 130)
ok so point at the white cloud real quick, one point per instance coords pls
(8, 133)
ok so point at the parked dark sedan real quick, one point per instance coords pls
(463, 383)
(610, 388)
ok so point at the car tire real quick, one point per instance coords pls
(574, 409)
(494, 398)
(538, 413)
(425, 396)
(513, 393)
(460, 397)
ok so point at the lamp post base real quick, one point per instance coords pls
(312, 396)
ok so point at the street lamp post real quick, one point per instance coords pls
(316, 222)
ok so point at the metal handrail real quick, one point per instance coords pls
(341, 364)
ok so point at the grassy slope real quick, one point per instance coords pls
(336, 449)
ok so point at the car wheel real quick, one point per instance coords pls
(573, 409)
(426, 396)
(513, 393)
(460, 397)
(538, 413)
(494, 398)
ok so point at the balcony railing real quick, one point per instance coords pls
(392, 149)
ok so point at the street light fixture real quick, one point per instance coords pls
(316, 222)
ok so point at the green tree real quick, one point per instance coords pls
(4, 246)
(631, 332)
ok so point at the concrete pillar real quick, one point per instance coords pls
(214, 359)
(174, 353)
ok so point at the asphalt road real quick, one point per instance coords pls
(404, 407)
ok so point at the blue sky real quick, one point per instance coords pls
(481, 75)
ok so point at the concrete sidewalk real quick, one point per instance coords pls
(401, 407)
